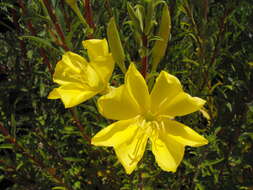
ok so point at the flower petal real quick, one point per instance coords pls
(183, 134)
(130, 152)
(182, 104)
(104, 68)
(97, 49)
(54, 94)
(168, 152)
(100, 58)
(166, 88)
(136, 85)
(75, 69)
(73, 94)
(116, 133)
(118, 104)
(69, 69)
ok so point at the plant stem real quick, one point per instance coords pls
(144, 60)
(216, 47)
(79, 124)
(109, 8)
(42, 52)
(88, 17)
(61, 34)
(88, 13)
(56, 24)
(140, 181)
(25, 153)
(65, 15)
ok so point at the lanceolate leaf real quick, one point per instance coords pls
(160, 47)
(115, 44)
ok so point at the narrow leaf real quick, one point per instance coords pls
(160, 47)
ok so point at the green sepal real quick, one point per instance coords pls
(160, 46)
(115, 44)
(149, 16)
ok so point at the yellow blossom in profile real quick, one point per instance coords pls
(79, 79)
(143, 115)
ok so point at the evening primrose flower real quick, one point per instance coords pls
(143, 115)
(79, 79)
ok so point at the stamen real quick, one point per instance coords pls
(134, 155)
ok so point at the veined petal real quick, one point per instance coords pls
(182, 104)
(137, 87)
(183, 134)
(118, 104)
(69, 69)
(92, 79)
(97, 49)
(104, 68)
(74, 94)
(116, 133)
(130, 152)
(168, 152)
(166, 88)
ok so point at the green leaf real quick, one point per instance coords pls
(44, 42)
(160, 47)
(58, 188)
(115, 44)
(6, 146)
(72, 159)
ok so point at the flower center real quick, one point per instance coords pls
(149, 116)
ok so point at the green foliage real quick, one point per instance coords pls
(210, 50)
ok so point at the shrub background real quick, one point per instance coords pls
(210, 50)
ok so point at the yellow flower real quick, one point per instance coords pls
(79, 79)
(144, 116)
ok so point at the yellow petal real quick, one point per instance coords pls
(72, 94)
(104, 68)
(97, 49)
(116, 133)
(130, 152)
(54, 94)
(136, 85)
(100, 58)
(75, 69)
(182, 104)
(168, 152)
(118, 104)
(166, 88)
(183, 134)
(69, 69)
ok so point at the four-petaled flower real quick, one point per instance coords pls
(79, 79)
(144, 116)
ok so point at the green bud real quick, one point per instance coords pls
(160, 46)
(115, 44)
(149, 16)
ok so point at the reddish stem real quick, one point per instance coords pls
(42, 52)
(24, 152)
(144, 60)
(56, 24)
(46, 60)
(88, 16)
(79, 125)
(108, 7)
(88, 13)
(66, 15)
